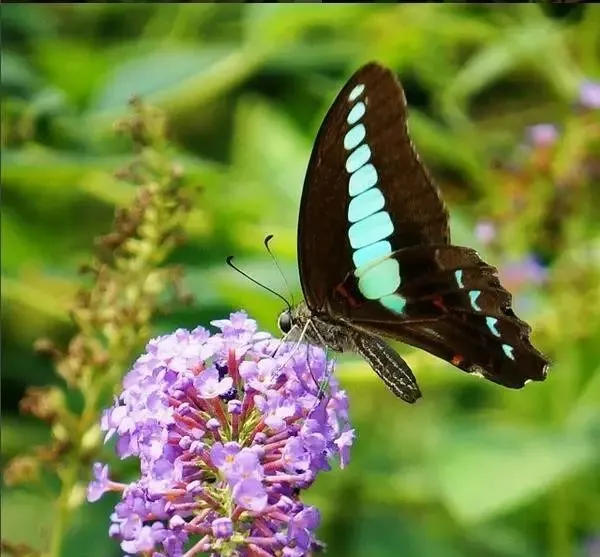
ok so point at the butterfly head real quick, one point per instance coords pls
(285, 321)
(300, 323)
(294, 317)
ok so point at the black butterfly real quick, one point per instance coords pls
(376, 258)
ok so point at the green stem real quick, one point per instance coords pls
(560, 517)
(69, 479)
(559, 522)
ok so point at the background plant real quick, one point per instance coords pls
(473, 469)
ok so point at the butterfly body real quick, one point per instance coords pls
(376, 259)
(343, 336)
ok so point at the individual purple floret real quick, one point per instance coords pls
(228, 429)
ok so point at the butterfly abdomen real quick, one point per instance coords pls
(388, 365)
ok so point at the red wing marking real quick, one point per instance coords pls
(342, 291)
(457, 360)
(438, 301)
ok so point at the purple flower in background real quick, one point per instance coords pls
(542, 135)
(592, 546)
(485, 231)
(228, 430)
(526, 271)
(589, 94)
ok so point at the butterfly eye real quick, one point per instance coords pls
(285, 322)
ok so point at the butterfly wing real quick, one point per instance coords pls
(452, 304)
(374, 244)
(368, 114)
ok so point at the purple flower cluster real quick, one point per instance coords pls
(228, 429)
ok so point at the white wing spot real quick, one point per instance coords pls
(356, 92)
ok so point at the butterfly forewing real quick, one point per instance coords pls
(367, 122)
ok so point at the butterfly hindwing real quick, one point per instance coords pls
(452, 304)
(468, 346)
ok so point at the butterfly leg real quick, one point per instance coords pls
(291, 336)
(320, 384)
(296, 346)
(284, 339)
(324, 383)
(389, 366)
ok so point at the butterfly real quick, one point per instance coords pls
(375, 256)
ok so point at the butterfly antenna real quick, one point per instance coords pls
(235, 268)
(287, 284)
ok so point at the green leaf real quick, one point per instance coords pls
(269, 151)
(498, 539)
(57, 174)
(377, 532)
(439, 144)
(88, 530)
(305, 58)
(151, 75)
(486, 471)
(16, 71)
(19, 435)
(173, 77)
(19, 247)
(26, 518)
(282, 23)
(526, 46)
(35, 299)
(77, 79)
(28, 21)
(585, 415)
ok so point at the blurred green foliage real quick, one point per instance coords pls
(472, 470)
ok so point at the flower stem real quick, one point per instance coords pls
(68, 481)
